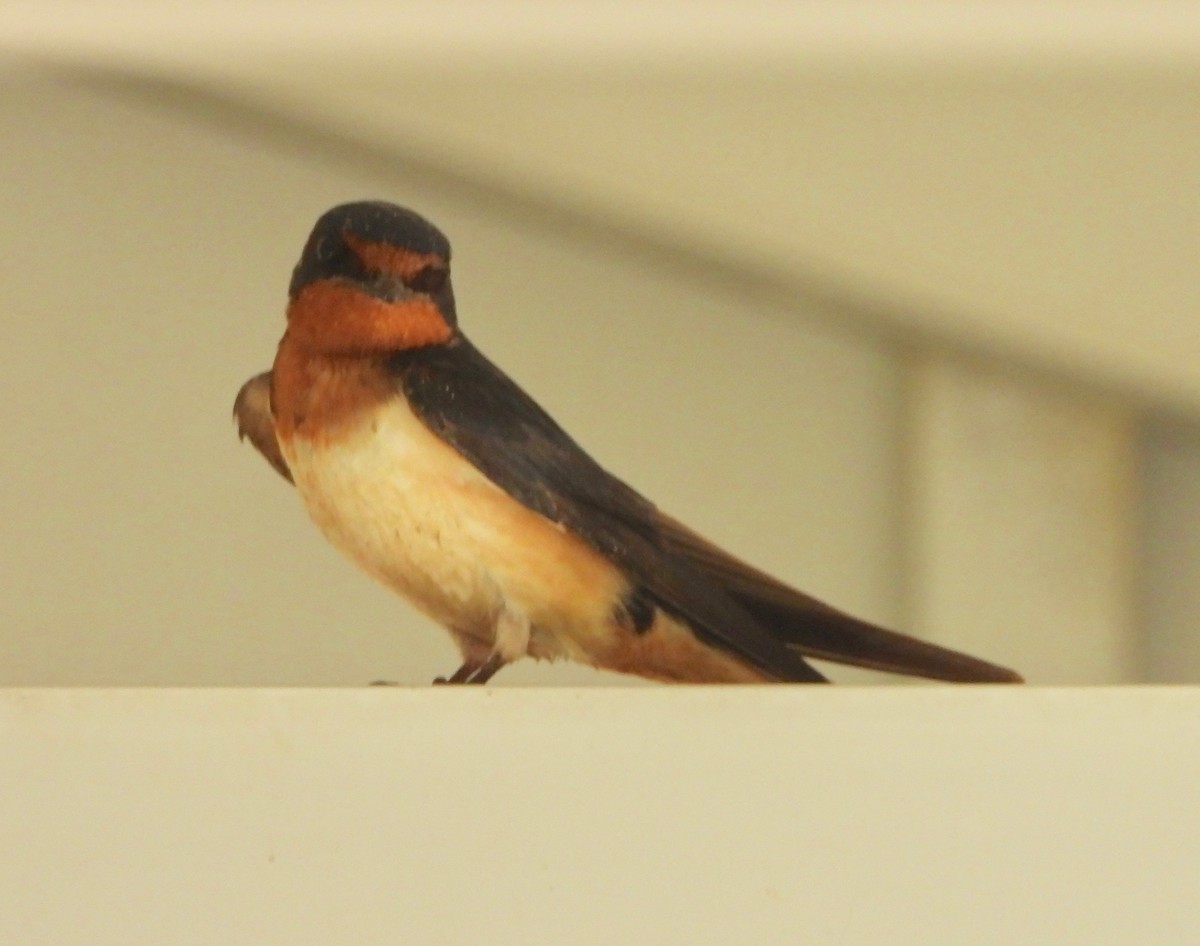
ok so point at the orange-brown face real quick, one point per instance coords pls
(374, 278)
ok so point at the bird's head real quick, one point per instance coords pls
(374, 278)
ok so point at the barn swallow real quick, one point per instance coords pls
(431, 469)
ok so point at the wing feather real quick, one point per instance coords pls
(252, 410)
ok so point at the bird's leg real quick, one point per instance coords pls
(488, 670)
(474, 654)
(511, 640)
(474, 672)
(462, 675)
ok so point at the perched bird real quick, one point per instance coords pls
(432, 470)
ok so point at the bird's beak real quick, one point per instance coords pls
(389, 288)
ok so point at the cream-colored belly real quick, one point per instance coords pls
(418, 517)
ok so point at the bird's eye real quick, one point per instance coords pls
(429, 280)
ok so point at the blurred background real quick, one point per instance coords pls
(894, 300)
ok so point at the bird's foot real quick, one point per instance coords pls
(473, 673)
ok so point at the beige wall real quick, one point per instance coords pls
(1169, 599)
(148, 236)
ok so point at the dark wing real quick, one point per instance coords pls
(818, 630)
(252, 410)
(475, 407)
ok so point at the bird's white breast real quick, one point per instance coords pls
(416, 515)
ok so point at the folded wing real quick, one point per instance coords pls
(252, 410)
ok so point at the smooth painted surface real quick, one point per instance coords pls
(1023, 521)
(580, 30)
(667, 816)
(1169, 602)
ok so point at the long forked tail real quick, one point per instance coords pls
(817, 630)
(825, 633)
